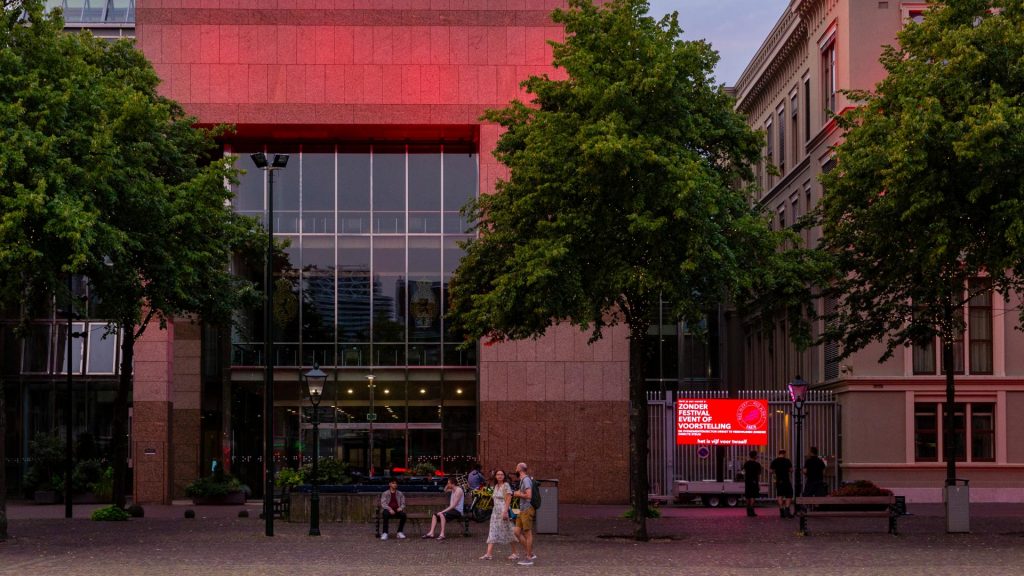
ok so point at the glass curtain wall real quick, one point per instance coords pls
(369, 238)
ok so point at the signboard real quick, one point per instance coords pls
(722, 422)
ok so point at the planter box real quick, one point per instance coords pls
(229, 499)
(89, 498)
(47, 497)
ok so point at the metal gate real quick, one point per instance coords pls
(668, 462)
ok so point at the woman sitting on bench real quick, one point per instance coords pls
(452, 512)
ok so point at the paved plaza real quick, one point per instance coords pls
(591, 541)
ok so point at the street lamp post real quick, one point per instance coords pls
(315, 379)
(798, 394)
(279, 162)
(68, 401)
(370, 417)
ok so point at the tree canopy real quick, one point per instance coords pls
(623, 192)
(102, 176)
(927, 193)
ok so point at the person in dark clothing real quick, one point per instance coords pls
(751, 481)
(782, 467)
(814, 470)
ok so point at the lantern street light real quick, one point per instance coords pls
(315, 379)
(279, 162)
(798, 395)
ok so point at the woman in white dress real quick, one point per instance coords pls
(502, 530)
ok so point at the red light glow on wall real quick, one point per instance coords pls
(722, 422)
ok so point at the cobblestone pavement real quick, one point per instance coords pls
(592, 540)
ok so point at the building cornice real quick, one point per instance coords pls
(789, 32)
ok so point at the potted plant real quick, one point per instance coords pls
(217, 489)
(44, 473)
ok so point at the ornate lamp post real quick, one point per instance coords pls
(798, 394)
(280, 161)
(315, 379)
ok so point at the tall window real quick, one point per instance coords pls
(795, 124)
(973, 428)
(828, 77)
(807, 110)
(769, 154)
(927, 355)
(782, 139)
(979, 326)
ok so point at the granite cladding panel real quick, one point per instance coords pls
(582, 444)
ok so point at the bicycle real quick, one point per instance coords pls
(482, 505)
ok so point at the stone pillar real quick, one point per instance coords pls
(151, 416)
(561, 406)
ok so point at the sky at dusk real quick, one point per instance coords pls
(735, 28)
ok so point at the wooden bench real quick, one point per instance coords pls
(809, 506)
(422, 507)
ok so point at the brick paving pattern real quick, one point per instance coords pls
(687, 541)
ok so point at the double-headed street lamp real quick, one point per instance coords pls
(798, 394)
(315, 379)
(279, 162)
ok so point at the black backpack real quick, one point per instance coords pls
(535, 493)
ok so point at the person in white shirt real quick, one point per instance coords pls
(452, 512)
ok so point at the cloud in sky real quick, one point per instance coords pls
(735, 28)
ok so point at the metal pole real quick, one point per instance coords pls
(68, 404)
(798, 473)
(314, 500)
(268, 378)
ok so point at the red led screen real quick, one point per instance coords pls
(722, 422)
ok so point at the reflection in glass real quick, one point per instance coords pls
(102, 350)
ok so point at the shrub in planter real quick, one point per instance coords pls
(110, 513)
(288, 478)
(855, 489)
(46, 452)
(329, 471)
(217, 489)
(861, 488)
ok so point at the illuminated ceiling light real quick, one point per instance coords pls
(350, 391)
(423, 390)
(386, 391)
(458, 390)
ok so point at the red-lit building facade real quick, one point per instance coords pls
(378, 103)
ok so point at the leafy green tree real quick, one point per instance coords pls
(101, 176)
(927, 195)
(622, 194)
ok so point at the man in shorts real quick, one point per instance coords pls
(524, 521)
(782, 467)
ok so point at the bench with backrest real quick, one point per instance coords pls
(422, 507)
(849, 507)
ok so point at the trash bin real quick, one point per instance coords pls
(546, 521)
(958, 506)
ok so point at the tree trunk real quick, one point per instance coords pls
(119, 439)
(638, 426)
(948, 433)
(3, 465)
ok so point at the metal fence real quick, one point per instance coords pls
(668, 462)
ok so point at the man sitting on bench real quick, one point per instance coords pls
(392, 505)
(452, 512)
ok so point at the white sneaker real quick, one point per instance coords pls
(525, 562)
(401, 536)
(384, 536)
(533, 557)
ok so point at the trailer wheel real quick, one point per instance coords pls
(711, 501)
(732, 501)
